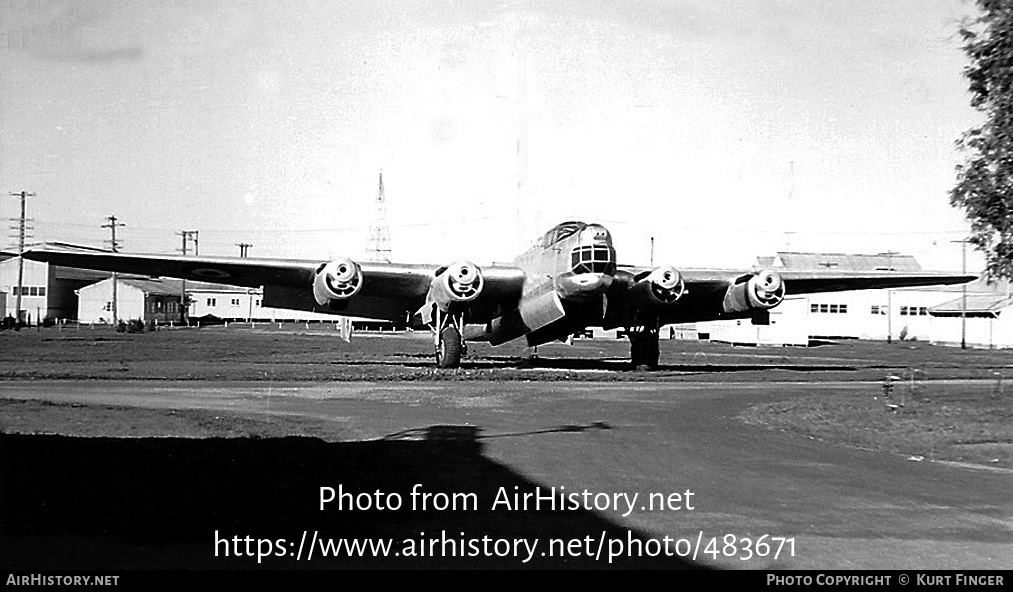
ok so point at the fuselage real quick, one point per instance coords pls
(574, 263)
(576, 259)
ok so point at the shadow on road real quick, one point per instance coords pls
(108, 503)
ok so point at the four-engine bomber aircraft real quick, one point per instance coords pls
(567, 281)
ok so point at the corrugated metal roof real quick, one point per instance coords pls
(842, 261)
(977, 305)
(156, 287)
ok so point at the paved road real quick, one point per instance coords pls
(844, 508)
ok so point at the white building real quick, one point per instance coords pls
(983, 319)
(787, 326)
(34, 288)
(900, 314)
(241, 304)
(47, 291)
(866, 314)
(136, 298)
(159, 299)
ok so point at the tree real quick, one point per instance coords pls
(984, 187)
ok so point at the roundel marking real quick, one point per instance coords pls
(211, 273)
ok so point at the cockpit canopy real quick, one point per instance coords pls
(561, 231)
(593, 259)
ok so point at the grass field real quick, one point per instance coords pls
(296, 353)
(922, 417)
(959, 423)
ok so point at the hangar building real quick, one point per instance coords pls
(47, 290)
(901, 313)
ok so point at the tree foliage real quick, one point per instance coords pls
(984, 186)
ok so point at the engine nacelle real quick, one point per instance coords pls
(457, 283)
(339, 279)
(763, 291)
(662, 286)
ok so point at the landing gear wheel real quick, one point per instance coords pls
(449, 348)
(644, 349)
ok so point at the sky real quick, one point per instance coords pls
(724, 129)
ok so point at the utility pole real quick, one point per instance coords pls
(112, 225)
(789, 235)
(187, 236)
(243, 249)
(889, 298)
(652, 251)
(963, 293)
(22, 229)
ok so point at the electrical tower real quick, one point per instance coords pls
(21, 225)
(244, 249)
(379, 235)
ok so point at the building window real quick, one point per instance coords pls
(33, 291)
(923, 311)
(212, 301)
(108, 307)
(830, 308)
(258, 302)
(235, 302)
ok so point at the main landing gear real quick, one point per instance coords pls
(644, 350)
(448, 340)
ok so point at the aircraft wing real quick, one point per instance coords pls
(251, 273)
(389, 291)
(812, 282)
(728, 294)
